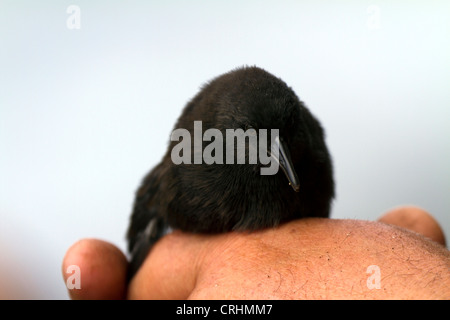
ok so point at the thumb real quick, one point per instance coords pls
(95, 269)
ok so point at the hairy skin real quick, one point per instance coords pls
(313, 258)
(330, 261)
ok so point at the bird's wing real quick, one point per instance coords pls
(144, 241)
(148, 224)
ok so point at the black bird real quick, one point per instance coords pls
(213, 198)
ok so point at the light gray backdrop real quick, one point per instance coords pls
(85, 113)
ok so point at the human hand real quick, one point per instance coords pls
(309, 258)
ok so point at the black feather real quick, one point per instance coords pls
(223, 197)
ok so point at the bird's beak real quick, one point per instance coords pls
(285, 162)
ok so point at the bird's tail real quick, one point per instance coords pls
(144, 241)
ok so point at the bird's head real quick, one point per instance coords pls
(250, 112)
(263, 107)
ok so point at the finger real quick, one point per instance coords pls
(169, 270)
(95, 269)
(417, 220)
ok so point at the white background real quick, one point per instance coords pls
(85, 113)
